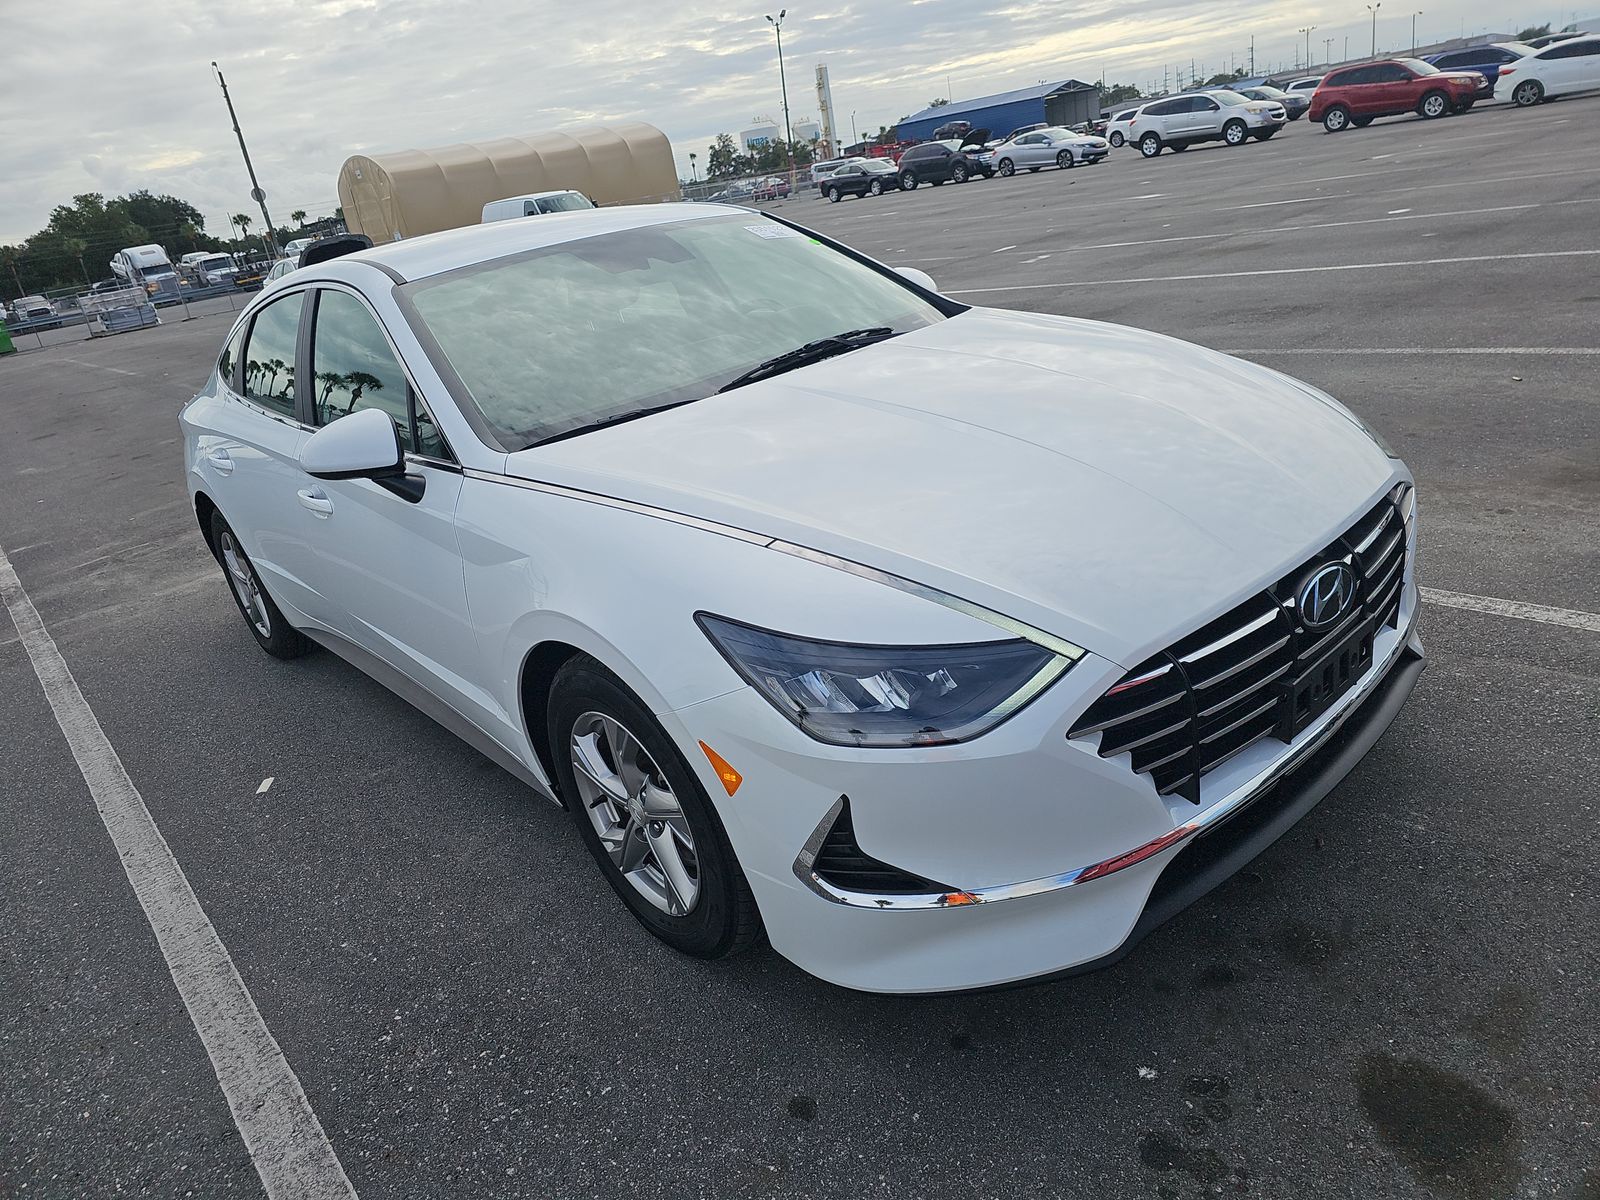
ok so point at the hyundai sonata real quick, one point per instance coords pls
(692, 520)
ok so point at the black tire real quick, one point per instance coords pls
(723, 919)
(908, 181)
(1262, 135)
(1007, 168)
(1527, 93)
(834, 195)
(1433, 105)
(1336, 119)
(1033, 170)
(958, 173)
(1179, 147)
(876, 187)
(1064, 160)
(1361, 122)
(1236, 133)
(1150, 145)
(281, 640)
(1116, 138)
(935, 183)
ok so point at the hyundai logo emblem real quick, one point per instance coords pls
(1326, 595)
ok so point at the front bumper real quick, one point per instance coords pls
(1013, 800)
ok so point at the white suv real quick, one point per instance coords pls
(1219, 116)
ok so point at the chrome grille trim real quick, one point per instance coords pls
(1256, 671)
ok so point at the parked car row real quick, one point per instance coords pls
(1177, 122)
(958, 159)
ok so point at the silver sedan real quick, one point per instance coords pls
(1053, 146)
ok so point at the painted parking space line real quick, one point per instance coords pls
(1569, 618)
(1409, 351)
(1375, 266)
(287, 1145)
(78, 362)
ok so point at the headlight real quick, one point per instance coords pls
(850, 695)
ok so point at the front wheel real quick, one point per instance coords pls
(1235, 133)
(876, 187)
(1336, 119)
(908, 181)
(1527, 93)
(261, 616)
(1116, 139)
(958, 174)
(644, 816)
(834, 196)
(1150, 145)
(1007, 168)
(1064, 160)
(1434, 105)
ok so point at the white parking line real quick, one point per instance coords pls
(287, 1145)
(1276, 203)
(1378, 266)
(100, 367)
(1570, 618)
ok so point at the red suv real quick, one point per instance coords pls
(1358, 95)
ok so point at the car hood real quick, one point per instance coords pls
(1114, 487)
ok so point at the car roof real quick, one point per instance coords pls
(435, 253)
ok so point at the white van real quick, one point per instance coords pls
(534, 204)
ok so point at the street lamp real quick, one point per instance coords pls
(256, 194)
(693, 175)
(1373, 9)
(854, 136)
(783, 81)
(1307, 31)
(1414, 17)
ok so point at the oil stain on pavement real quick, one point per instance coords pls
(1450, 1133)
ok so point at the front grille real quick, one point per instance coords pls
(846, 865)
(1256, 671)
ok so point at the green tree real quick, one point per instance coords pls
(1533, 31)
(722, 158)
(1117, 93)
(298, 216)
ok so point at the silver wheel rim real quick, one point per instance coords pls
(1525, 94)
(245, 587)
(1336, 119)
(1433, 105)
(1235, 134)
(635, 814)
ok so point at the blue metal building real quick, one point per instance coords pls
(1066, 102)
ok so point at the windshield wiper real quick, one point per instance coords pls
(604, 422)
(811, 352)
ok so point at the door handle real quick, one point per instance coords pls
(221, 461)
(315, 499)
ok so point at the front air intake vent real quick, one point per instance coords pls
(847, 866)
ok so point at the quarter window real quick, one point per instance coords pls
(230, 358)
(353, 367)
(270, 355)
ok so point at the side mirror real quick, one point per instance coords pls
(362, 445)
(921, 278)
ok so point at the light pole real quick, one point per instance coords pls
(783, 82)
(1327, 50)
(256, 194)
(1373, 9)
(694, 176)
(1414, 17)
(1307, 31)
(854, 136)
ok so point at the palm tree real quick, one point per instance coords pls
(298, 216)
(242, 220)
(359, 382)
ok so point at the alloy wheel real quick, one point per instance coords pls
(1064, 160)
(877, 187)
(1526, 93)
(1116, 139)
(243, 580)
(635, 814)
(1007, 168)
(1335, 119)
(1149, 145)
(1234, 134)
(1434, 105)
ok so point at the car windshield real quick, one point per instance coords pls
(1229, 98)
(555, 339)
(1418, 67)
(221, 260)
(1270, 93)
(878, 166)
(568, 202)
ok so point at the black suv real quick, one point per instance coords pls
(935, 162)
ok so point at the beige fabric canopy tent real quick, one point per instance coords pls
(411, 192)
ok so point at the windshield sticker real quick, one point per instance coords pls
(774, 230)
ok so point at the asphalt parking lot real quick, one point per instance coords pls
(1399, 999)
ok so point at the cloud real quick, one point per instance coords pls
(118, 100)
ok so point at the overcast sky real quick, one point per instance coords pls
(111, 97)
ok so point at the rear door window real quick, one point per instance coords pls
(269, 357)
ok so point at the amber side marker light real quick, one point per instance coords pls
(730, 778)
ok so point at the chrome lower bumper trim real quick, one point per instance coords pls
(1229, 806)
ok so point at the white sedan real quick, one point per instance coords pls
(691, 520)
(1560, 69)
(1049, 147)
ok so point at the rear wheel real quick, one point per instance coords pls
(642, 813)
(908, 181)
(1235, 133)
(1336, 119)
(1361, 122)
(261, 616)
(1116, 138)
(1262, 135)
(1150, 145)
(1433, 105)
(1179, 147)
(1064, 160)
(1527, 93)
(1007, 168)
